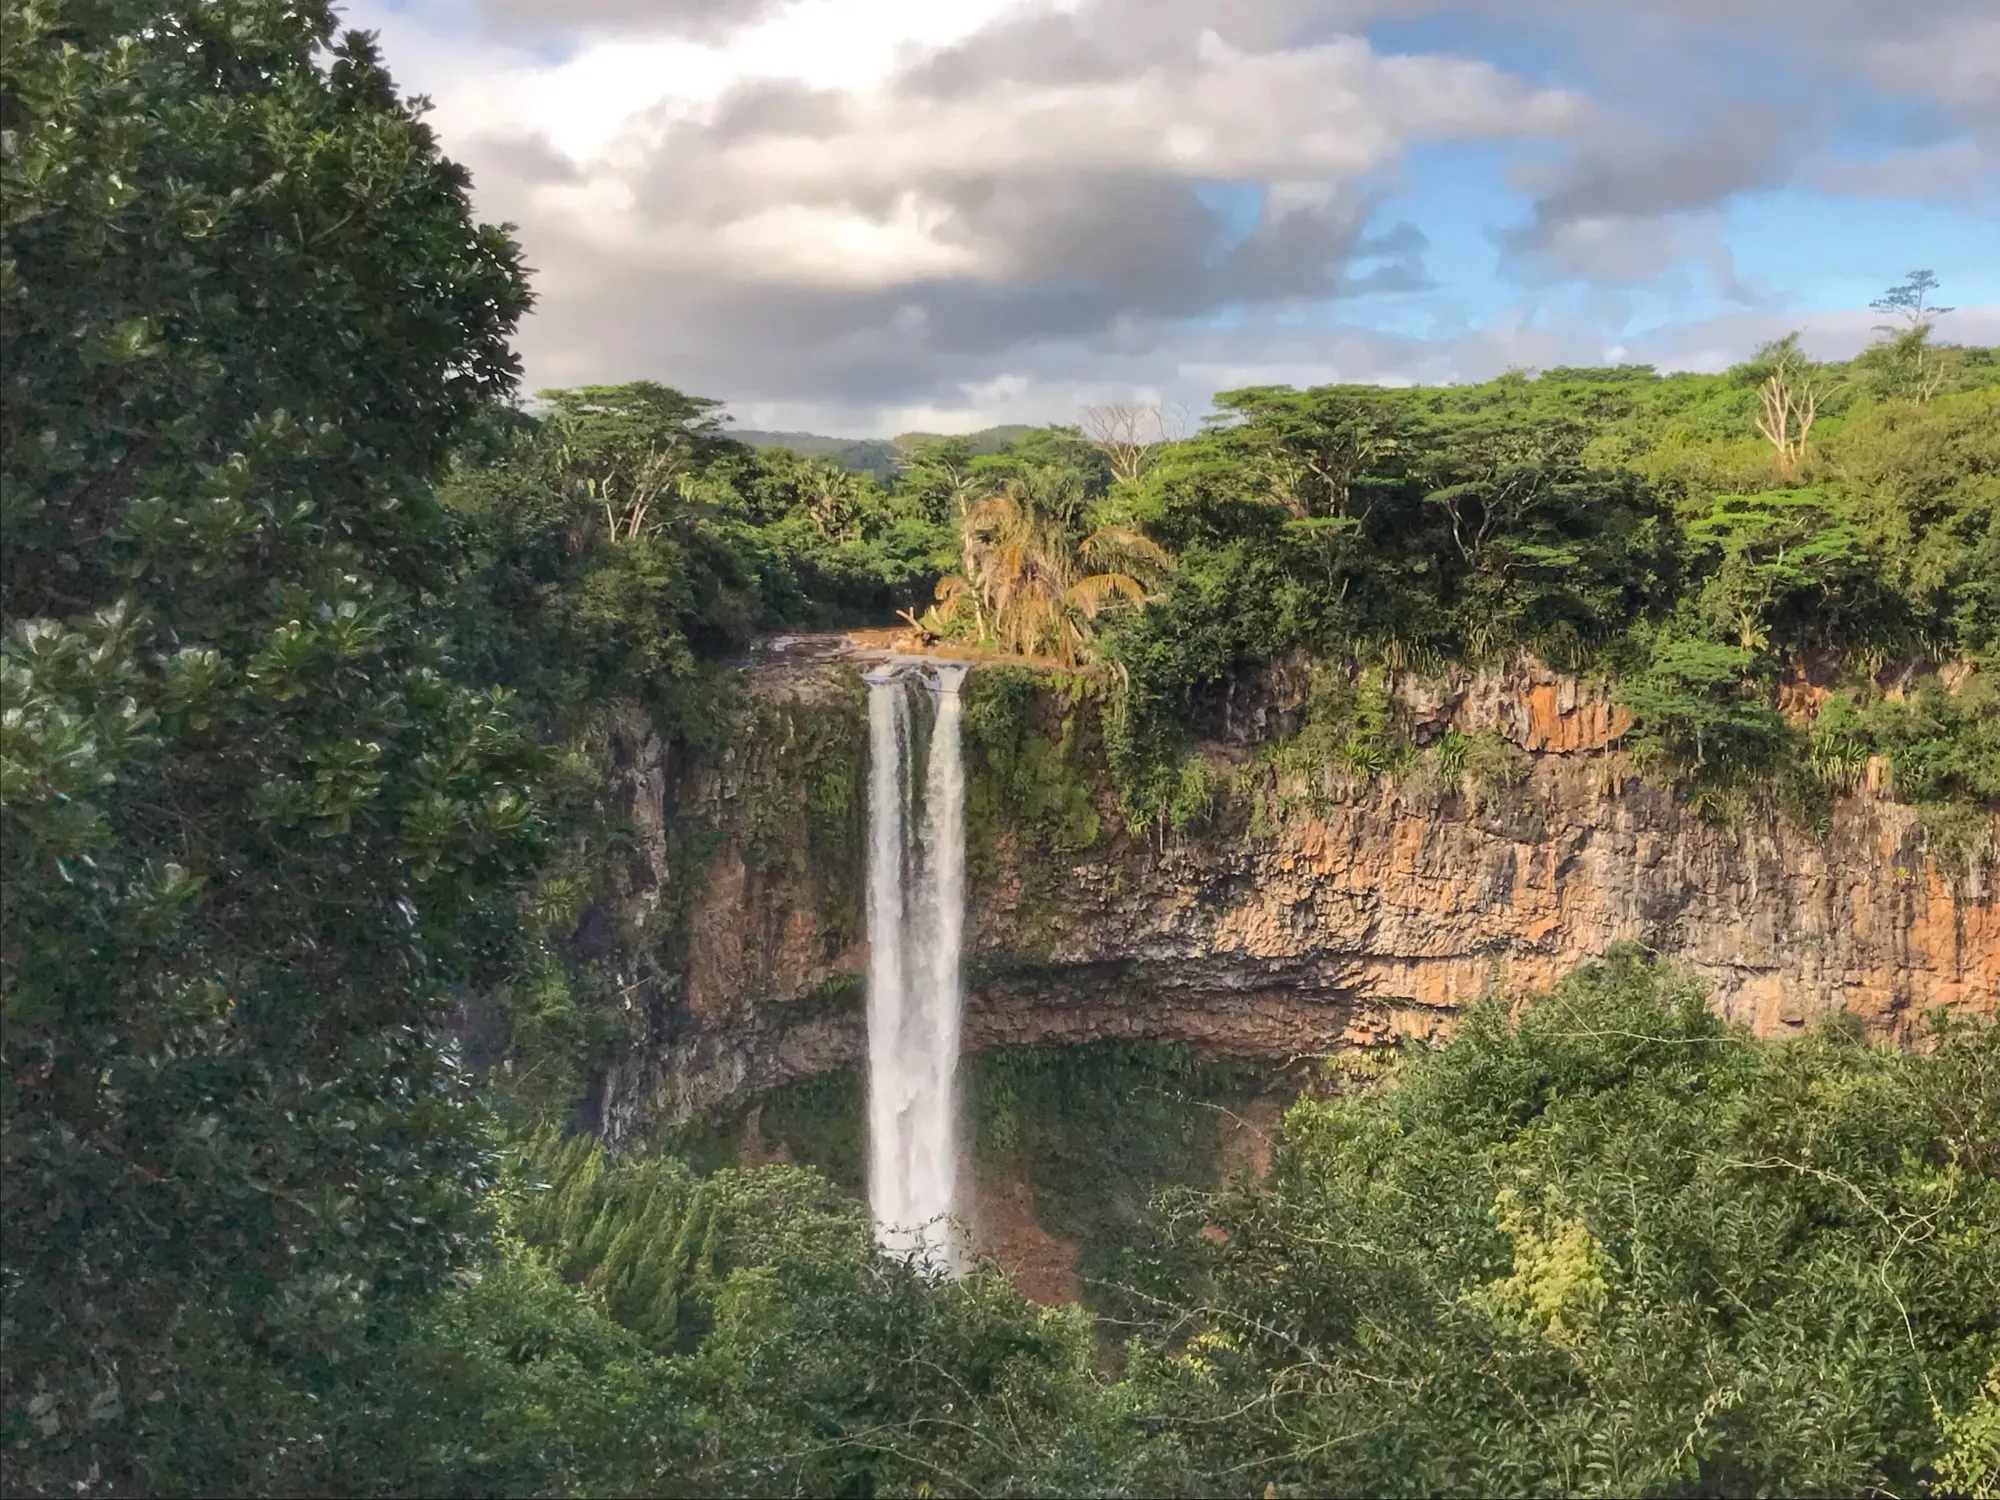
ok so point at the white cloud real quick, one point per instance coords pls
(494, 84)
(837, 246)
(1329, 112)
(871, 213)
(679, 196)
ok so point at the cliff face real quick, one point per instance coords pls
(1343, 923)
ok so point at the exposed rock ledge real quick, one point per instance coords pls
(1378, 919)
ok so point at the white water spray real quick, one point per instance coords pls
(916, 922)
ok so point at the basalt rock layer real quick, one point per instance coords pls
(1344, 923)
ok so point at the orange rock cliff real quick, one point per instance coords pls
(1377, 914)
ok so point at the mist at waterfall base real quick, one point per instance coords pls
(916, 921)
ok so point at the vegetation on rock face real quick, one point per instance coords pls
(1604, 520)
(306, 632)
(1030, 774)
(1615, 522)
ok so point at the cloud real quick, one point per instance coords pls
(1950, 58)
(1627, 174)
(1629, 205)
(1958, 172)
(1699, 102)
(859, 208)
(895, 242)
(1681, 55)
(702, 18)
(1327, 113)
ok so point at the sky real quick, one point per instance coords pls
(864, 217)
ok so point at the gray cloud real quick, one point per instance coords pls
(698, 18)
(1628, 205)
(1134, 194)
(1957, 172)
(778, 107)
(1952, 61)
(1631, 175)
(1049, 46)
(1102, 264)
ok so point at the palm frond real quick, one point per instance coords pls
(1091, 594)
(953, 591)
(1121, 543)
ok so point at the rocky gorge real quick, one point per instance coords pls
(1273, 927)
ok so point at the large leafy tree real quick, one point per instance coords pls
(1556, 555)
(1699, 707)
(247, 811)
(619, 546)
(1922, 483)
(1789, 570)
(624, 451)
(606, 552)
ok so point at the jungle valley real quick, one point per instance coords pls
(1480, 947)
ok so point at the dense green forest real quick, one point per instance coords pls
(1619, 523)
(309, 621)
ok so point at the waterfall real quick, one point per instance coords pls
(916, 920)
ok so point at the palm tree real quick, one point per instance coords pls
(964, 495)
(832, 496)
(1037, 588)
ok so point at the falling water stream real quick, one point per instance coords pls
(916, 919)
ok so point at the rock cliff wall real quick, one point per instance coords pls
(1365, 916)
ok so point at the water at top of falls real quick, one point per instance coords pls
(916, 922)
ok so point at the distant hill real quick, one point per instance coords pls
(876, 456)
(986, 440)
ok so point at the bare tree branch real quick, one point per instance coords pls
(1791, 404)
(1128, 434)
